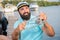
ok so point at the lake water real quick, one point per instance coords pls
(53, 17)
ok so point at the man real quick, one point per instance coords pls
(3, 24)
(22, 30)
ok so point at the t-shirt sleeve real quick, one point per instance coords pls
(17, 23)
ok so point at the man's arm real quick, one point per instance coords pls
(48, 29)
(15, 34)
(17, 31)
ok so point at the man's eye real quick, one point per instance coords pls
(22, 8)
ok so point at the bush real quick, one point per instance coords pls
(40, 3)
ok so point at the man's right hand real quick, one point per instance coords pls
(22, 26)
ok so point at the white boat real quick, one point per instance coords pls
(9, 10)
(34, 6)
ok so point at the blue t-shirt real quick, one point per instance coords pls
(32, 31)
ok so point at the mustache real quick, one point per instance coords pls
(25, 13)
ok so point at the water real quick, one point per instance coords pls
(53, 18)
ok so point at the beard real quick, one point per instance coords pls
(25, 17)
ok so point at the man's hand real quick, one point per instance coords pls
(48, 29)
(43, 16)
(22, 26)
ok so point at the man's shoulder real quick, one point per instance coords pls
(17, 23)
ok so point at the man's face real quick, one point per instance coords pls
(24, 12)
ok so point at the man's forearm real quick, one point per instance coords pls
(15, 34)
(48, 29)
